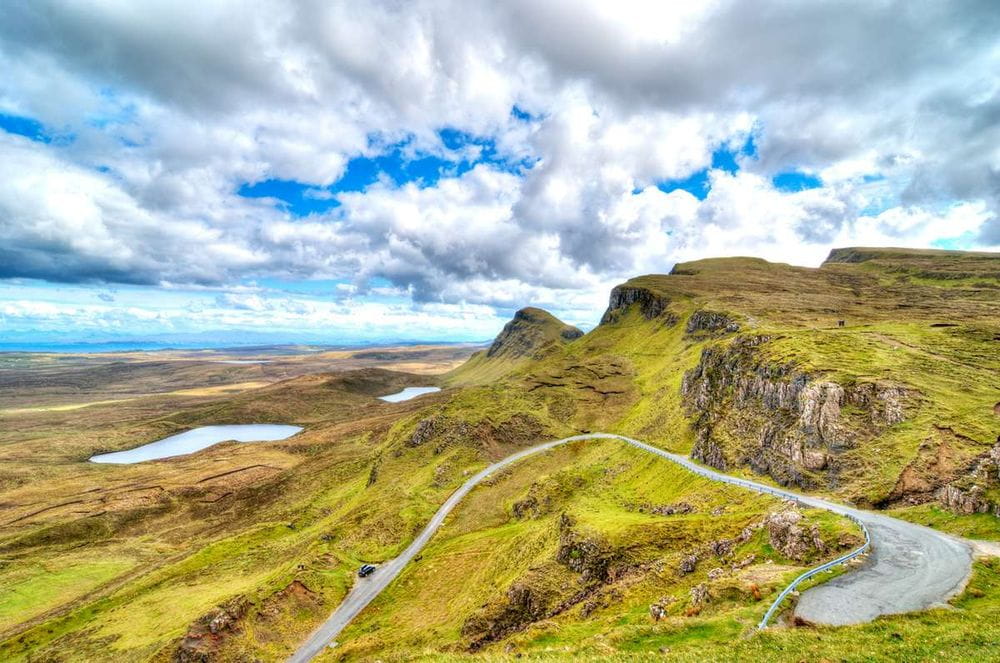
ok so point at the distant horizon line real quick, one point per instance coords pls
(111, 347)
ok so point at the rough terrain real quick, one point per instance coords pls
(911, 567)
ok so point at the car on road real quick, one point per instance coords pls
(366, 570)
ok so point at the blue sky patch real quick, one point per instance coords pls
(696, 184)
(963, 242)
(398, 165)
(24, 126)
(793, 181)
(519, 113)
(723, 158)
(299, 199)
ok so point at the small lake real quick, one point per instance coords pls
(242, 361)
(197, 439)
(408, 393)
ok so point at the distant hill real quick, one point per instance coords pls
(531, 334)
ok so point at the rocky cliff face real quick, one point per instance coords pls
(971, 491)
(778, 419)
(650, 304)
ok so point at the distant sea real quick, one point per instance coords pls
(118, 346)
(228, 346)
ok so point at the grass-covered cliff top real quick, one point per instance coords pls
(854, 284)
(531, 334)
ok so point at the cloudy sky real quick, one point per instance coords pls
(418, 170)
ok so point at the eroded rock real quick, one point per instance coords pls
(589, 556)
(722, 547)
(792, 537)
(422, 433)
(792, 425)
(671, 509)
(700, 595)
(710, 322)
(688, 564)
(205, 636)
(658, 610)
(963, 501)
(622, 297)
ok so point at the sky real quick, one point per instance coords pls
(360, 171)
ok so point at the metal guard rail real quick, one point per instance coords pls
(810, 573)
(777, 492)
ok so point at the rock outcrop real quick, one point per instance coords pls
(700, 595)
(688, 564)
(423, 432)
(527, 600)
(587, 555)
(779, 419)
(658, 610)
(670, 509)
(445, 432)
(650, 304)
(791, 537)
(582, 566)
(710, 322)
(969, 493)
(966, 501)
(203, 639)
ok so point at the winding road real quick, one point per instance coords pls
(911, 567)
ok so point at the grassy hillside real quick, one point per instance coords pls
(264, 558)
(572, 551)
(235, 553)
(872, 378)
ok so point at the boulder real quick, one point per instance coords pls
(699, 594)
(688, 564)
(423, 432)
(789, 535)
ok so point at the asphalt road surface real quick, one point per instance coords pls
(910, 567)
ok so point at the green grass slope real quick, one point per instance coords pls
(570, 551)
(872, 377)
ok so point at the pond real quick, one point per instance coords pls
(197, 439)
(408, 393)
(242, 361)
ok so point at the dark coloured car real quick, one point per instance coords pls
(366, 570)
